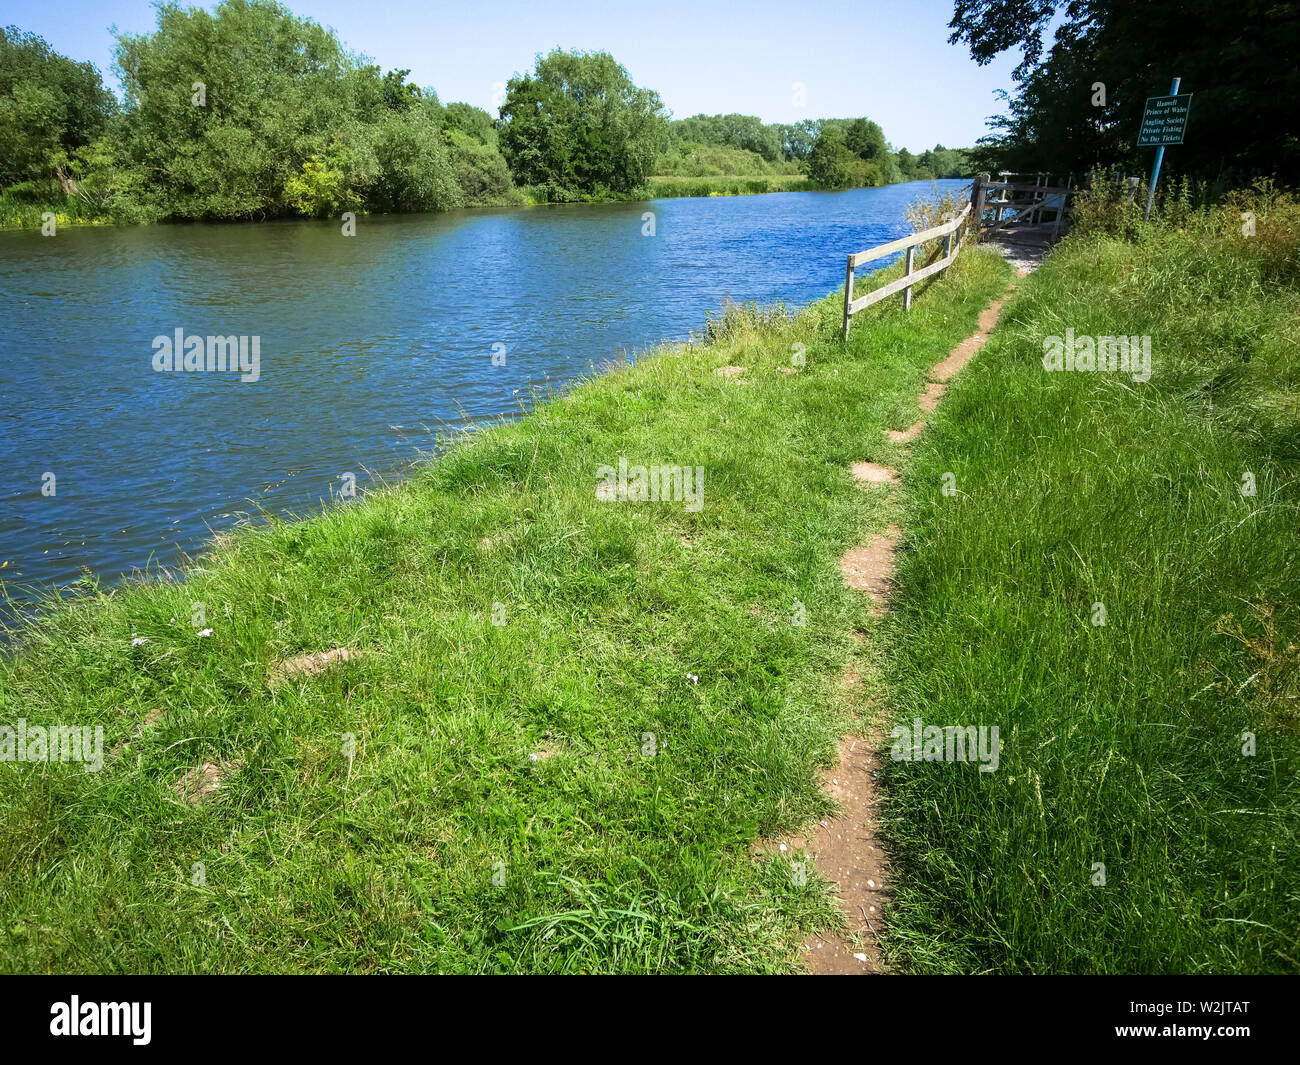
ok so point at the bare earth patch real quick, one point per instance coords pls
(948, 369)
(847, 847)
(906, 436)
(307, 665)
(873, 473)
(729, 371)
(871, 568)
(929, 399)
(965, 351)
(202, 782)
(847, 850)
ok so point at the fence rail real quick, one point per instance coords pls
(949, 231)
(1012, 202)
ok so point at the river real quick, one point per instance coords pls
(368, 347)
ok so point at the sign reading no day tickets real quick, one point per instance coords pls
(1164, 120)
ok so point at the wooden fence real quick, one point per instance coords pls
(993, 206)
(1022, 202)
(950, 231)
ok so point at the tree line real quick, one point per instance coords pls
(248, 111)
(1078, 100)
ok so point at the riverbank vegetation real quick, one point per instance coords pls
(248, 112)
(1114, 584)
(561, 723)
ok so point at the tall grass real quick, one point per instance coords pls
(1122, 743)
(28, 206)
(668, 187)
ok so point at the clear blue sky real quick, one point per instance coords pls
(888, 61)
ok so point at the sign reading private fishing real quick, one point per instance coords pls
(1164, 120)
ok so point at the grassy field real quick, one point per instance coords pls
(1122, 742)
(576, 789)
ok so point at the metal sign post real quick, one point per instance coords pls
(1164, 121)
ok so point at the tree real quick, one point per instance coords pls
(414, 171)
(865, 139)
(50, 107)
(470, 120)
(746, 132)
(1078, 103)
(797, 140)
(578, 126)
(249, 111)
(830, 164)
(224, 108)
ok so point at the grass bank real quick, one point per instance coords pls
(22, 213)
(735, 185)
(575, 789)
(1122, 741)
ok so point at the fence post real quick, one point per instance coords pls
(977, 191)
(1131, 194)
(907, 292)
(1060, 211)
(848, 296)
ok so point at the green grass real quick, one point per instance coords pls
(17, 212)
(666, 186)
(1121, 744)
(613, 861)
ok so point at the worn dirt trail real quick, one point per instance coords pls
(847, 848)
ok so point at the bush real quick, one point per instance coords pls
(320, 190)
(414, 171)
(1105, 210)
(480, 171)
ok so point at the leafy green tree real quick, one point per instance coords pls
(1079, 100)
(223, 108)
(865, 139)
(415, 173)
(906, 164)
(578, 126)
(797, 139)
(50, 106)
(746, 132)
(470, 120)
(830, 164)
(481, 173)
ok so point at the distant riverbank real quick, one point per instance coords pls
(16, 214)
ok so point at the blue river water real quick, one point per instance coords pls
(368, 347)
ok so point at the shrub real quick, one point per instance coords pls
(480, 171)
